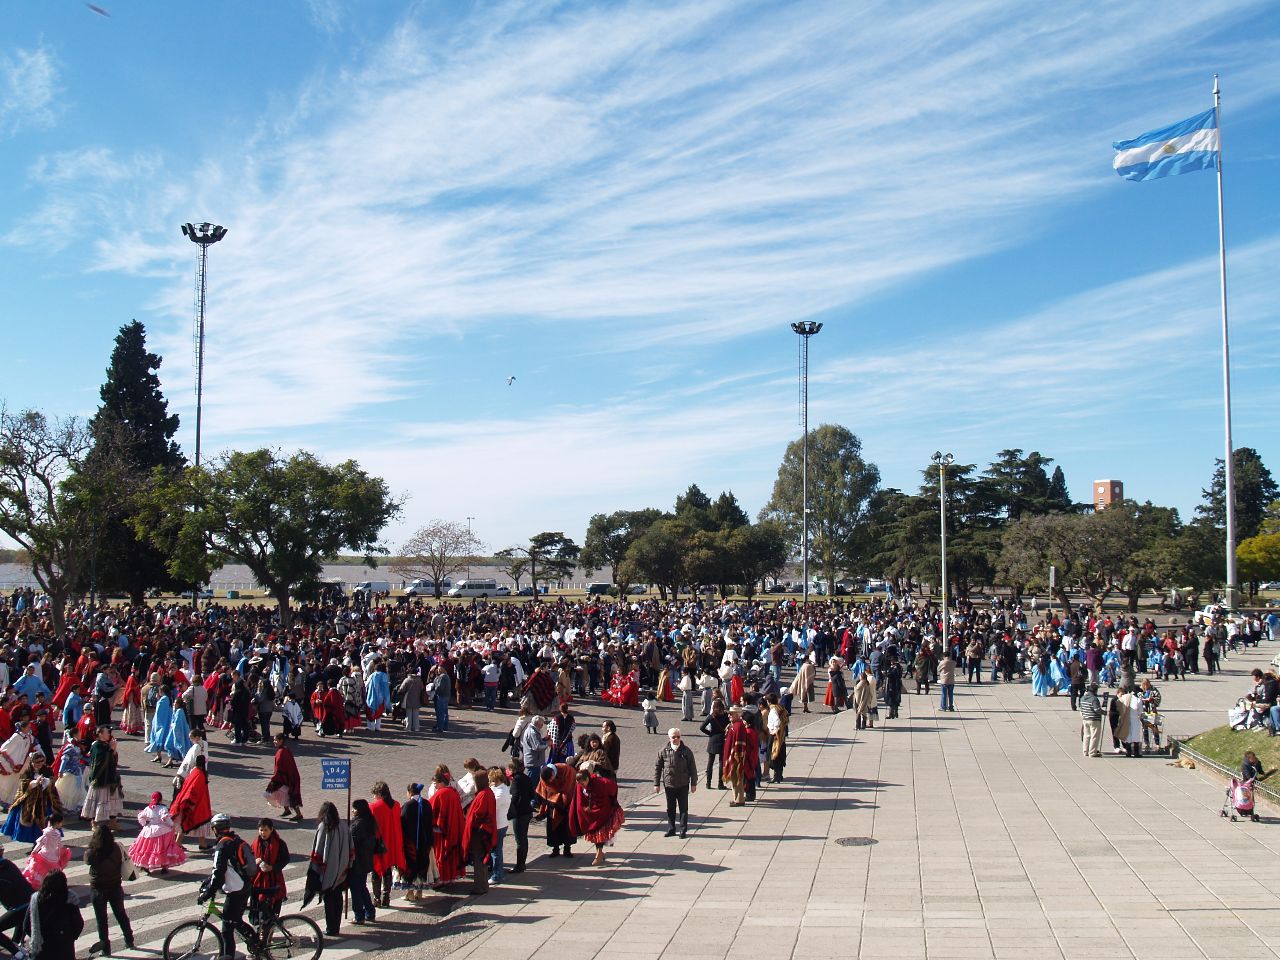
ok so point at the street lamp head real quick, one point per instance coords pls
(203, 233)
(806, 328)
(942, 459)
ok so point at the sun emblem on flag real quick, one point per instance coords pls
(1169, 148)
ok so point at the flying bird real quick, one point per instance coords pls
(510, 381)
(98, 10)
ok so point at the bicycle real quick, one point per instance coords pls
(291, 936)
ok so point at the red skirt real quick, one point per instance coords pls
(609, 830)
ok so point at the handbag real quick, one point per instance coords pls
(128, 870)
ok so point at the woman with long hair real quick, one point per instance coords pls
(104, 796)
(54, 920)
(386, 811)
(330, 862)
(417, 828)
(364, 846)
(106, 863)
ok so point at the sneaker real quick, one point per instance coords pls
(669, 833)
(100, 949)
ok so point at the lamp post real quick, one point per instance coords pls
(944, 460)
(805, 329)
(205, 235)
(469, 519)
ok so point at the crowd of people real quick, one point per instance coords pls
(171, 675)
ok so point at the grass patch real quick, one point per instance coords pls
(1226, 746)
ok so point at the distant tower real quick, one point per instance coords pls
(1107, 492)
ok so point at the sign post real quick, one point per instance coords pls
(335, 774)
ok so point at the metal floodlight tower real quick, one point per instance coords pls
(806, 329)
(204, 234)
(944, 460)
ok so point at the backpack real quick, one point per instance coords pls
(243, 862)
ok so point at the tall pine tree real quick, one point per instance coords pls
(133, 423)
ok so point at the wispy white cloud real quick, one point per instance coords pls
(28, 89)
(639, 184)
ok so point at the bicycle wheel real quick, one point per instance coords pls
(193, 940)
(293, 937)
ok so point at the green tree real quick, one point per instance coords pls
(1018, 484)
(726, 513)
(1145, 538)
(754, 552)
(658, 556)
(841, 484)
(1259, 559)
(434, 552)
(514, 566)
(1255, 489)
(1086, 550)
(279, 517)
(609, 537)
(1059, 499)
(551, 556)
(50, 505)
(134, 430)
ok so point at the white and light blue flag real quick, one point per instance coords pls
(1181, 148)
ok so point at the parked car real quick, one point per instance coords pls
(502, 591)
(368, 588)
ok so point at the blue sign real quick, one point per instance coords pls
(335, 774)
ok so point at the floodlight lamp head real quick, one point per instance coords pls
(203, 233)
(806, 328)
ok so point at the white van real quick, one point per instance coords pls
(475, 588)
(423, 587)
(369, 587)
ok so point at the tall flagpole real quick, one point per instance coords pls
(1229, 462)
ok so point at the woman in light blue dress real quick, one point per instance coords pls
(160, 723)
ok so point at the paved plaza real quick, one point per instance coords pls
(992, 838)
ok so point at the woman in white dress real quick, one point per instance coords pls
(15, 754)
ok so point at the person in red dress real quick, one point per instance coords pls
(386, 810)
(284, 789)
(446, 811)
(481, 834)
(594, 811)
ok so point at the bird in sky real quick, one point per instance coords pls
(510, 381)
(98, 10)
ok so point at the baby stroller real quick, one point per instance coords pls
(1240, 799)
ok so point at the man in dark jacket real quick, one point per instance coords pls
(677, 772)
(230, 864)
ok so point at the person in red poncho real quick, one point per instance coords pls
(594, 811)
(284, 789)
(554, 793)
(481, 834)
(191, 809)
(446, 811)
(387, 812)
(741, 754)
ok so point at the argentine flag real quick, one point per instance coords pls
(1180, 148)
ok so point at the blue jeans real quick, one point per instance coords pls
(361, 902)
(948, 696)
(442, 715)
(497, 871)
(1275, 717)
(490, 696)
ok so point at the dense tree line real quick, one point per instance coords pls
(112, 504)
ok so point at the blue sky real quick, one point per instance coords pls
(625, 205)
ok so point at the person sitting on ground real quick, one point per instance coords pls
(1251, 767)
